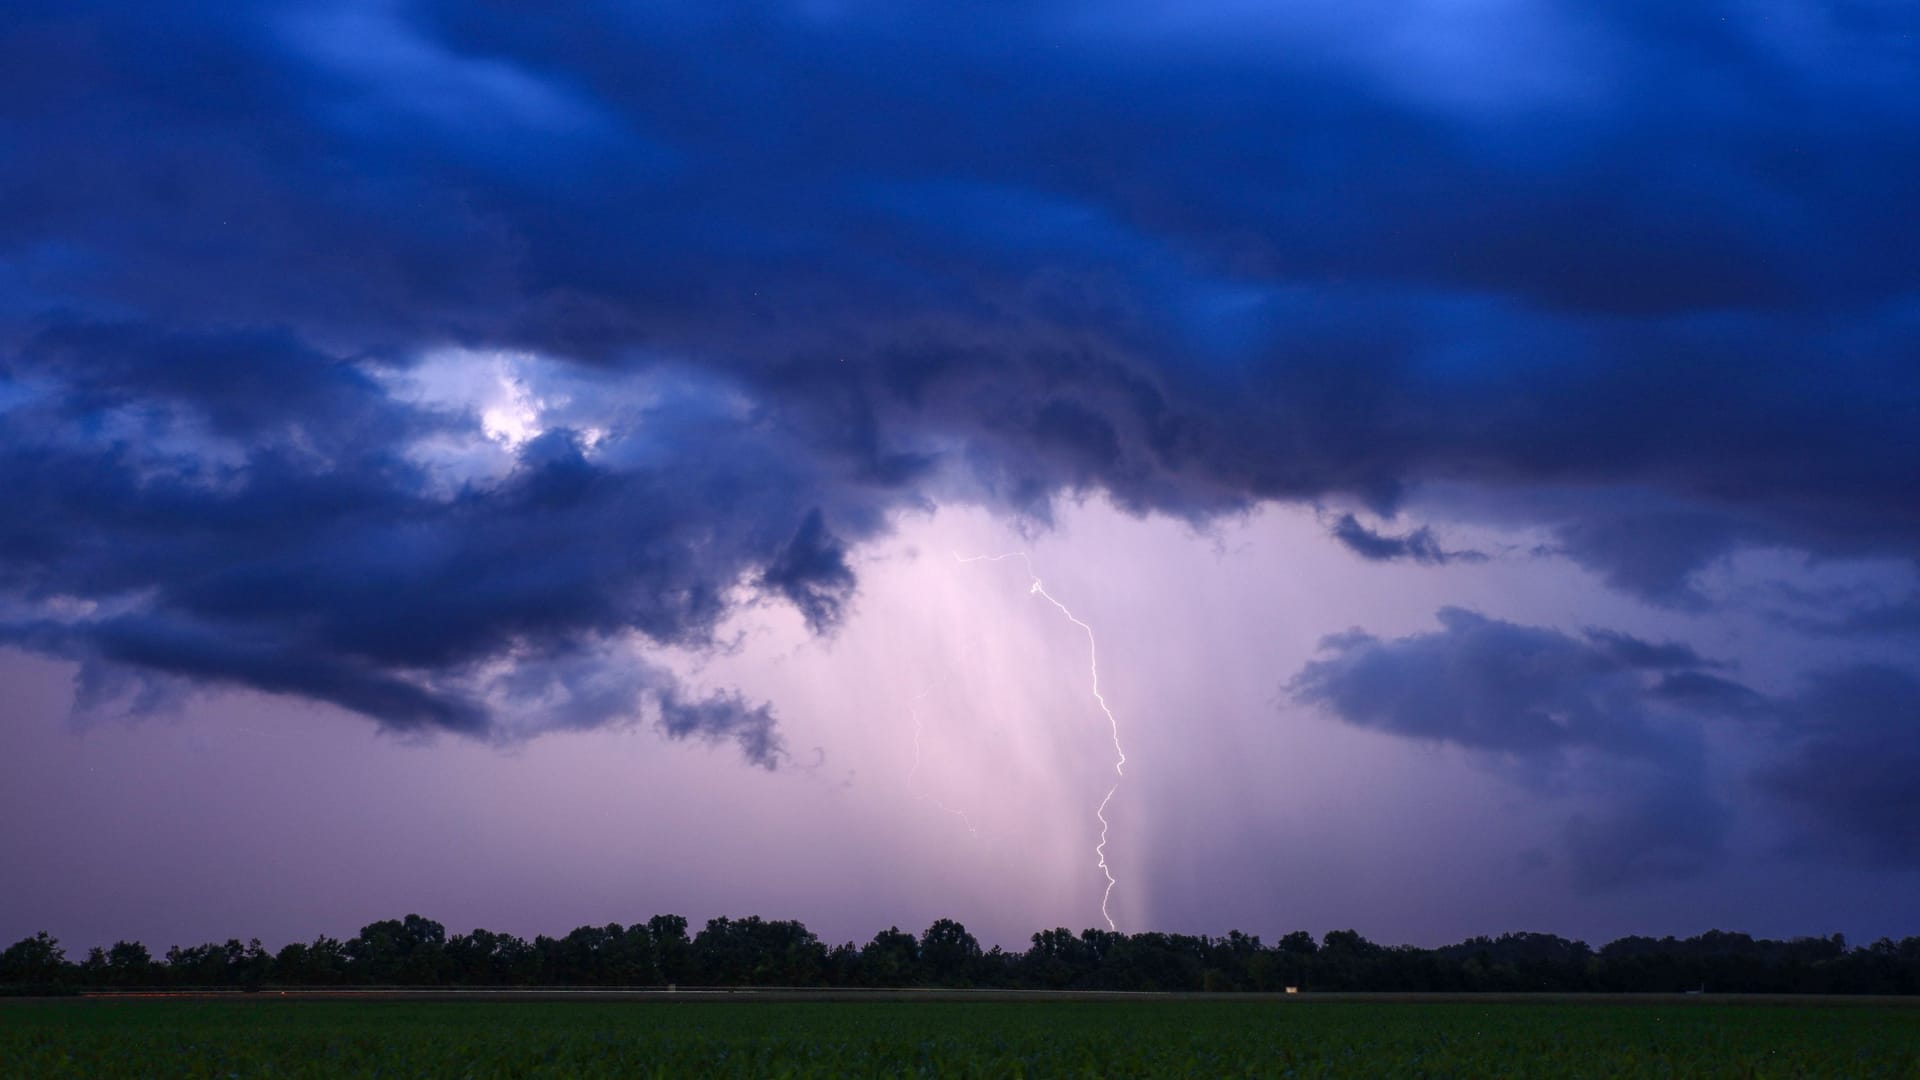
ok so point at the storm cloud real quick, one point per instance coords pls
(387, 557)
(1623, 722)
(1494, 686)
(1419, 545)
(736, 286)
(1854, 741)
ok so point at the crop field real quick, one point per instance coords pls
(886, 1038)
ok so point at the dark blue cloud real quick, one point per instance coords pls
(1419, 546)
(1610, 713)
(240, 509)
(1665, 830)
(1494, 686)
(1875, 619)
(812, 573)
(1853, 736)
(1555, 709)
(1641, 279)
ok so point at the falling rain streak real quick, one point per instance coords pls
(913, 773)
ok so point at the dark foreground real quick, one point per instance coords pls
(262, 1037)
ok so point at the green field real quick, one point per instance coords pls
(1200, 1038)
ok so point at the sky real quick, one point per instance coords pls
(543, 466)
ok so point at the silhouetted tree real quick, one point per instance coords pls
(406, 952)
(93, 970)
(629, 956)
(948, 954)
(757, 952)
(738, 952)
(1056, 958)
(892, 958)
(672, 952)
(35, 961)
(129, 964)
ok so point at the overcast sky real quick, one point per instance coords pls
(523, 466)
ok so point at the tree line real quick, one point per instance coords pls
(751, 951)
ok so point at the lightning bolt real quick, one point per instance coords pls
(1036, 588)
(914, 711)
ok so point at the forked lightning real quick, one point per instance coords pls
(1035, 588)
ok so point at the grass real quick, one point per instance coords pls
(233, 1040)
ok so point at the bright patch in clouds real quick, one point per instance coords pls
(507, 400)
